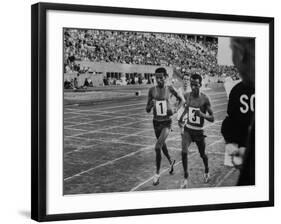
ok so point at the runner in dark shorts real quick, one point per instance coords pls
(159, 100)
(197, 109)
(194, 135)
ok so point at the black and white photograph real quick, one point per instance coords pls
(141, 111)
(147, 111)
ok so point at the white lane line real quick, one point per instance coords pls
(219, 111)
(217, 100)
(107, 163)
(215, 142)
(225, 177)
(130, 154)
(136, 134)
(165, 170)
(90, 146)
(125, 156)
(69, 118)
(195, 150)
(126, 105)
(107, 128)
(70, 122)
(118, 111)
(221, 104)
(109, 108)
(151, 178)
(216, 94)
(93, 120)
(78, 116)
(124, 116)
(74, 110)
(139, 108)
(117, 141)
(104, 111)
(75, 129)
(66, 112)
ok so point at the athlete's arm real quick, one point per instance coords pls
(209, 116)
(179, 97)
(181, 118)
(150, 101)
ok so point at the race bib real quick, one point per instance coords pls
(192, 118)
(161, 108)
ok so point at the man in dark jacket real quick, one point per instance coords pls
(238, 128)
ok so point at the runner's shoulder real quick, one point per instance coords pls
(151, 90)
(205, 97)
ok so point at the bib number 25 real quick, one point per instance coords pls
(161, 108)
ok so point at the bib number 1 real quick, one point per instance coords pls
(161, 108)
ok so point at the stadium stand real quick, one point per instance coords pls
(184, 52)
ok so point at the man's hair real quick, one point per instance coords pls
(246, 47)
(196, 76)
(161, 70)
(248, 44)
(185, 74)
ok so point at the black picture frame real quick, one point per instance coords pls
(39, 110)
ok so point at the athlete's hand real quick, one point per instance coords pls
(237, 158)
(199, 113)
(150, 106)
(231, 148)
(236, 153)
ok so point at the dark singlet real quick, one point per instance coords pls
(193, 105)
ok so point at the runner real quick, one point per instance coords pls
(159, 97)
(197, 109)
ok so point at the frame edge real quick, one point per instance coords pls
(34, 114)
(38, 114)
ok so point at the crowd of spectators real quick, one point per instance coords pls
(176, 50)
(73, 84)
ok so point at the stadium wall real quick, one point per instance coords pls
(100, 69)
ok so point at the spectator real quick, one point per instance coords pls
(90, 83)
(238, 128)
(141, 48)
(86, 83)
(105, 81)
(139, 80)
(75, 83)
